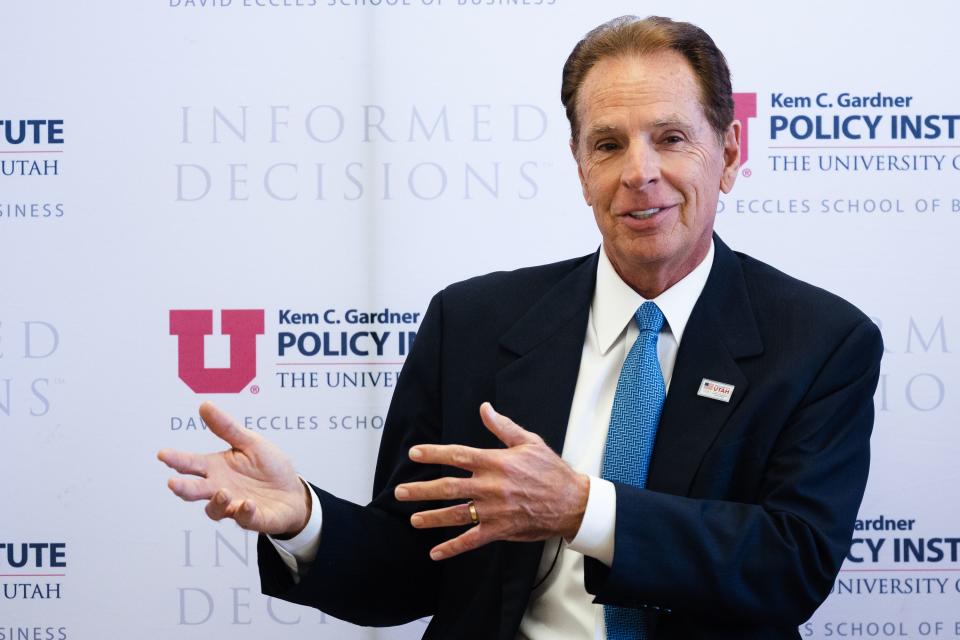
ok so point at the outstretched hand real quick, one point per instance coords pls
(253, 482)
(525, 492)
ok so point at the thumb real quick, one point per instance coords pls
(225, 427)
(506, 430)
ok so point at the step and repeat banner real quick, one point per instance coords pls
(275, 188)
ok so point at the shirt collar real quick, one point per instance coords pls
(614, 302)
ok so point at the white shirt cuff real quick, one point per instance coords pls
(299, 552)
(596, 535)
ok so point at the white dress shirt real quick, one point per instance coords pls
(560, 606)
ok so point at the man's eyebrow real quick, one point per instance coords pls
(661, 123)
(601, 130)
(664, 123)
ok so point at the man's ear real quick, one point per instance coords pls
(731, 156)
(583, 180)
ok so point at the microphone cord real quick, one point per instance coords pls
(552, 565)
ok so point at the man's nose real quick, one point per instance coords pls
(641, 166)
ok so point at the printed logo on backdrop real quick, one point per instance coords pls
(30, 151)
(918, 365)
(744, 110)
(860, 133)
(893, 560)
(850, 133)
(348, 351)
(215, 568)
(379, 339)
(31, 571)
(896, 544)
(192, 326)
(320, 153)
(28, 360)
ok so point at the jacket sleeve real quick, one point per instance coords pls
(774, 560)
(372, 567)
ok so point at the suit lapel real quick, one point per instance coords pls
(721, 330)
(540, 357)
(539, 362)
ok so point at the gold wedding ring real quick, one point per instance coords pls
(474, 518)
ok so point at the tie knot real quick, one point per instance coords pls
(649, 317)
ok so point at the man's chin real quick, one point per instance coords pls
(648, 250)
(643, 254)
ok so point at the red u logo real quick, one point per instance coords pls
(744, 108)
(242, 325)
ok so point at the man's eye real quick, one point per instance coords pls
(673, 139)
(608, 146)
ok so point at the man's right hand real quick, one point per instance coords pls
(253, 482)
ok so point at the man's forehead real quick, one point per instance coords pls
(661, 85)
(657, 69)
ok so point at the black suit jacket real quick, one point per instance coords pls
(750, 504)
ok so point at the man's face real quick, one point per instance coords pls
(651, 166)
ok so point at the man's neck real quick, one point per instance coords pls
(652, 279)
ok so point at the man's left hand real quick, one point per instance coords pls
(525, 492)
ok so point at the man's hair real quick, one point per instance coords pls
(629, 35)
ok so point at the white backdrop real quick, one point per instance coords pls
(309, 156)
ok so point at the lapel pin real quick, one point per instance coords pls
(716, 390)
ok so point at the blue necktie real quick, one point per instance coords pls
(633, 429)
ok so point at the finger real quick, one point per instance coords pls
(245, 514)
(506, 430)
(190, 489)
(217, 507)
(454, 455)
(471, 539)
(439, 489)
(184, 462)
(455, 516)
(225, 427)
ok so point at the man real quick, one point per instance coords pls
(733, 527)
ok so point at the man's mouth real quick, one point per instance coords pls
(645, 214)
